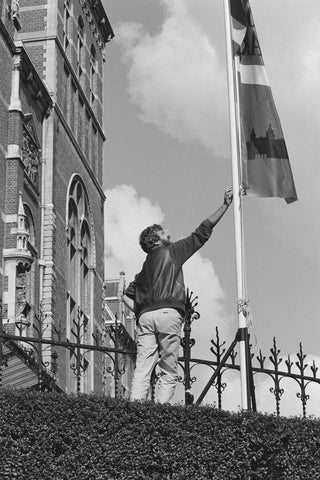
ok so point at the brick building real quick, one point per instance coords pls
(51, 197)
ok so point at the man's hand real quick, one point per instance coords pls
(228, 196)
(215, 217)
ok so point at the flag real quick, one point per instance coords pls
(265, 166)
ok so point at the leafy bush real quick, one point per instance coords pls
(51, 436)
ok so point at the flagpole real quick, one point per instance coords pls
(237, 207)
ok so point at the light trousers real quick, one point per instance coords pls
(159, 333)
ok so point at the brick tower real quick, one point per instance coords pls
(51, 200)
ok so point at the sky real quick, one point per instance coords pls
(167, 160)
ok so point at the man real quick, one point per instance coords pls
(157, 296)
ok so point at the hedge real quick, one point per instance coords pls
(52, 436)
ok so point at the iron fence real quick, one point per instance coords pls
(31, 350)
(223, 359)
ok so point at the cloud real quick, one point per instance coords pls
(176, 78)
(201, 278)
(126, 215)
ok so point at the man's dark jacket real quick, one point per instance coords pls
(160, 283)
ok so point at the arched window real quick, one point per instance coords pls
(80, 276)
(93, 69)
(80, 43)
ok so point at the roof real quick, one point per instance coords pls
(110, 288)
(21, 370)
(16, 374)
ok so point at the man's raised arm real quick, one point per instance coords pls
(218, 214)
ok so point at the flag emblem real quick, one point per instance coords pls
(265, 166)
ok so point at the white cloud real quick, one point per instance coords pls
(201, 278)
(176, 78)
(126, 215)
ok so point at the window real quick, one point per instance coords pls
(79, 253)
(79, 248)
(80, 128)
(66, 22)
(73, 107)
(94, 150)
(80, 43)
(31, 153)
(65, 93)
(79, 278)
(87, 137)
(93, 68)
(84, 267)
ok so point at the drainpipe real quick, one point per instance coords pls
(42, 263)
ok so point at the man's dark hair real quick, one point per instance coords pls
(149, 237)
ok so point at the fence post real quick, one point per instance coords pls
(116, 361)
(1, 349)
(187, 343)
(276, 360)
